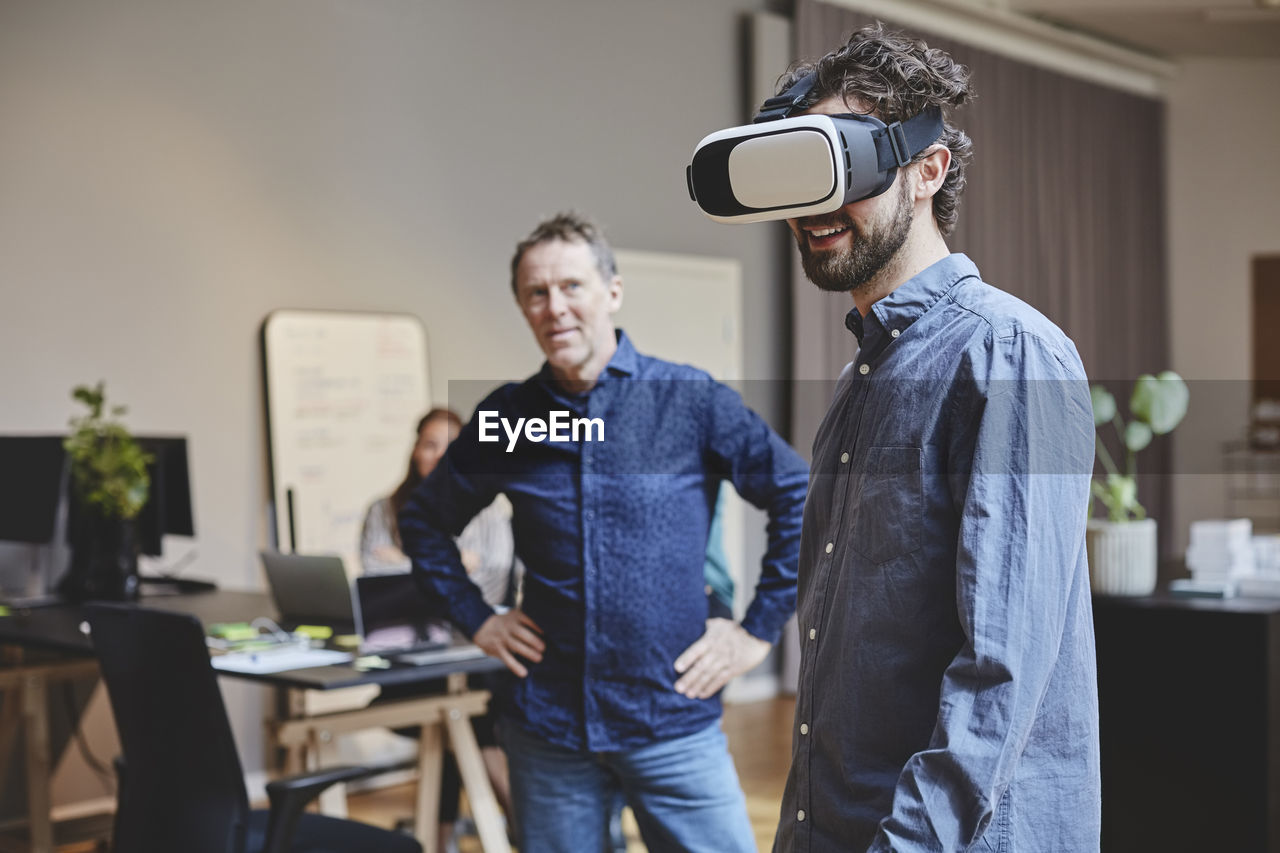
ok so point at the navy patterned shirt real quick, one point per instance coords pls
(948, 691)
(612, 529)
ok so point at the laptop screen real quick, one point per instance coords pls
(311, 589)
(395, 616)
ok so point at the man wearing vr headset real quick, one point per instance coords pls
(619, 666)
(947, 696)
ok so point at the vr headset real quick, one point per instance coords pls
(783, 167)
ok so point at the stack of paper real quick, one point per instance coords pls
(1221, 550)
(1265, 583)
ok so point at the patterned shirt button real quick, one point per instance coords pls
(804, 728)
(813, 633)
(844, 457)
(800, 815)
(864, 369)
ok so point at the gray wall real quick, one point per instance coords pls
(1224, 209)
(170, 172)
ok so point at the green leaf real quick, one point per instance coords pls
(1137, 435)
(108, 468)
(1160, 401)
(1104, 405)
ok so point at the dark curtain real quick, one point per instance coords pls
(1064, 209)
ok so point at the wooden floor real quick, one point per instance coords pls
(759, 736)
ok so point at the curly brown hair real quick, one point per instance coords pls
(897, 76)
(568, 227)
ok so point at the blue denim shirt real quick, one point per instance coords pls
(613, 536)
(948, 694)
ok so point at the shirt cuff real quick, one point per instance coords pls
(470, 613)
(763, 623)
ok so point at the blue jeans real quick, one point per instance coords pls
(684, 793)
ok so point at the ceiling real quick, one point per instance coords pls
(1236, 29)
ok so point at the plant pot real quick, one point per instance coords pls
(104, 559)
(1122, 556)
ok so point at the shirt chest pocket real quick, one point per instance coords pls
(889, 503)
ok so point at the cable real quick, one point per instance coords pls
(103, 773)
(264, 623)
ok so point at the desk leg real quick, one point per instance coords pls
(426, 820)
(484, 806)
(10, 719)
(332, 801)
(35, 719)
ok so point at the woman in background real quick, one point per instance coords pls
(486, 545)
(487, 548)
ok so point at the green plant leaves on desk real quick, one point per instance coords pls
(108, 468)
(1137, 435)
(1104, 404)
(1157, 405)
(1160, 401)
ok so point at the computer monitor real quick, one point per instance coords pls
(32, 481)
(168, 507)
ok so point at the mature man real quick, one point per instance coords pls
(612, 461)
(947, 697)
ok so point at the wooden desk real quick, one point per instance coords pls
(1189, 697)
(301, 730)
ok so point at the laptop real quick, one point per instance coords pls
(310, 590)
(395, 620)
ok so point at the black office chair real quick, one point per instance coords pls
(181, 784)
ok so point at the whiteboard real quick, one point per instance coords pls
(688, 309)
(684, 308)
(343, 393)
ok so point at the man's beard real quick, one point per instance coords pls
(851, 269)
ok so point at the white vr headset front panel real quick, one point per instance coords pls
(776, 170)
(781, 169)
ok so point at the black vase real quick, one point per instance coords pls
(104, 559)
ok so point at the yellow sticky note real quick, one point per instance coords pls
(233, 631)
(314, 632)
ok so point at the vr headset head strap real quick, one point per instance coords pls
(784, 104)
(896, 143)
(899, 141)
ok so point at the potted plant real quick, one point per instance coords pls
(109, 487)
(1122, 547)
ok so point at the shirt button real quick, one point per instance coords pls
(800, 815)
(831, 546)
(804, 728)
(813, 633)
(844, 457)
(864, 369)
(894, 333)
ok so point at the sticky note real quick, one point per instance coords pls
(233, 631)
(314, 632)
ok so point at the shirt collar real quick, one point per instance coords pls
(911, 299)
(624, 362)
